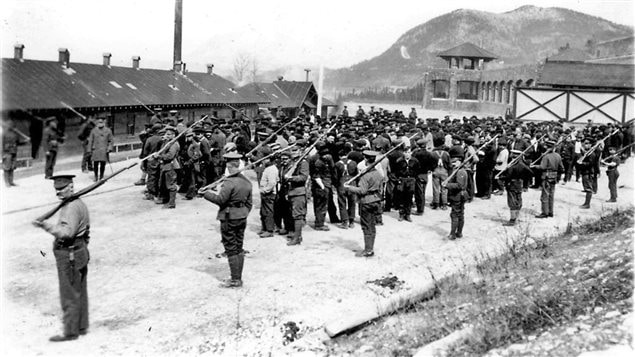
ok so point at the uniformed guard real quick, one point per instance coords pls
(457, 194)
(234, 201)
(588, 168)
(11, 139)
(296, 182)
(369, 191)
(514, 177)
(52, 140)
(550, 166)
(169, 165)
(71, 256)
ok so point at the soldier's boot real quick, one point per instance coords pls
(513, 215)
(455, 223)
(148, 196)
(459, 228)
(587, 201)
(234, 267)
(7, 179)
(172, 201)
(158, 199)
(141, 182)
(297, 233)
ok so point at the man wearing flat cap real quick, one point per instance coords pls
(294, 177)
(234, 200)
(368, 189)
(71, 257)
(152, 164)
(52, 140)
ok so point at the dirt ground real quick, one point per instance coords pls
(153, 275)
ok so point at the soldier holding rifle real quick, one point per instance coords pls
(71, 256)
(234, 201)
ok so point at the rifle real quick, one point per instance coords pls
(518, 158)
(269, 137)
(445, 182)
(597, 145)
(73, 110)
(560, 141)
(150, 110)
(306, 151)
(377, 161)
(247, 167)
(82, 192)
(95, 185)
(619, 152)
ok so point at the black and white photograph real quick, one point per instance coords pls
(334, 178)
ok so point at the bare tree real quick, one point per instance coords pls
(241, 64)
(253, 71)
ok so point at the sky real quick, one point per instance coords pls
(276, 33)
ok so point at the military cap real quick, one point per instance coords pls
(456, 152)
(469, 140)
(157, 127)
(589, 140)
(457, 137)
(61, 181)
(370, 153)
(421, 142)
(232, 156)
(170, 127)
(515, 152)
(189, 132)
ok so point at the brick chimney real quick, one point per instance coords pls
(18, 51)
(135, 62)
(64, 57)
(107, 56)
(210, 68)
(177, 66)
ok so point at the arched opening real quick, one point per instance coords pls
(495, 90)
(510, 88)
(529, 83)
(488, 91)
(483, 89)
(501, 88)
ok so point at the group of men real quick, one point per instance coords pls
(348, 166)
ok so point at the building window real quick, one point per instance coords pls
(467, 90)
(441, 89)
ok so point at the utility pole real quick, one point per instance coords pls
(307, 73)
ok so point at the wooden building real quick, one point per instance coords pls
(127, 96)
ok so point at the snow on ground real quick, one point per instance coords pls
(153, 275)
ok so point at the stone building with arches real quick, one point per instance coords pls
(468, 85)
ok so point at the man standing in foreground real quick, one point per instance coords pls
(71, 256)
(551, 167)
(369, 191)
(234, 203)
(457, 195)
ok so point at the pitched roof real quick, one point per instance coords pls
(580, 74)
(270, 93)
(296, 91)
(468, 49)
(34, 84)
(570, 55)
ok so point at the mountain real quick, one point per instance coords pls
(522, 36)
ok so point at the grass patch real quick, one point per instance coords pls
(527, 290)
